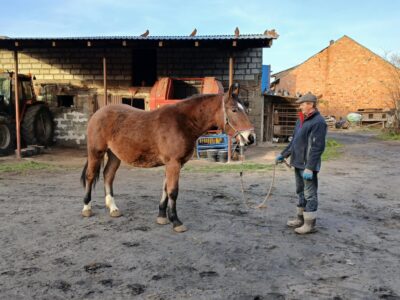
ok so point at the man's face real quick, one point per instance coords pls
(306, 107)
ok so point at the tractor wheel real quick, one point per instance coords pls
(37, 126)
(7, 138)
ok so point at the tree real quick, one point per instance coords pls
(393, 87)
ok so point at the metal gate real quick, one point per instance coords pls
(284, 120)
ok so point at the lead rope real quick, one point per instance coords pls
(262, 204)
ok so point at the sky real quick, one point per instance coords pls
(305, 26)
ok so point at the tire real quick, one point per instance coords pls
(7, 138)
(37, 126)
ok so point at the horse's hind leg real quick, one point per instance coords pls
(89, 177)
(162, 208)
(172, 172)
(111, 168)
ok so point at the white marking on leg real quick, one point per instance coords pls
(164, 196)
(110, 203)
(87, 207)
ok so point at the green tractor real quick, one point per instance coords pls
(37, 126)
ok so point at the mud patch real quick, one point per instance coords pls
(61, 285)
(130, 244)
(136, 289)
(93, 268)
(208, 274)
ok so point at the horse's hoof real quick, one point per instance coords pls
(162, 221)
(181, 228)
(115, 213)
(87, 213)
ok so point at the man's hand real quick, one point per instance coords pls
(307, 174)
(279, 159)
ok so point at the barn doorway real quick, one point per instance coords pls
(144, 67)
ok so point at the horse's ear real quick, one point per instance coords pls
(234, 91)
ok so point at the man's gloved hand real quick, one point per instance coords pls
(307, 174)
(279, 159)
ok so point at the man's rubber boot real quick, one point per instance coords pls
(299, 221)
(309, 223)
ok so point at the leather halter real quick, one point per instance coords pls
(227, 122)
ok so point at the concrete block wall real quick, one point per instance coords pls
(81, 67)
(71, 72)
(70, 127)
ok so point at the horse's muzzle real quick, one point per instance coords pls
(252, 139)
(247, 137)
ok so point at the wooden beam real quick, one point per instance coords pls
(17, 116)
(230, 70)
(105, 80)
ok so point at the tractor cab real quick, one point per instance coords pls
(36, 120)
(7, 94)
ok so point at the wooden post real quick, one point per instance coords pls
(230, 70)
(17, 116)
(229, 148)
(105, 80)
(230, 84)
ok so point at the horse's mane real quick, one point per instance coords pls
(196, 98)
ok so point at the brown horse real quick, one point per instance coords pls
(165, 136)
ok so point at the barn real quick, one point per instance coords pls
(347, 77)
(76, 76)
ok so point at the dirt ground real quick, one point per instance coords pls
(48, 251)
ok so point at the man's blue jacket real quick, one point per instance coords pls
(308, 143)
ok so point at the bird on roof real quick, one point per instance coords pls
(193, 32)
(271, 33)
(145, 34)
(237, 32)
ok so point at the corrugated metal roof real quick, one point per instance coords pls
(150, 37)
(142, 41)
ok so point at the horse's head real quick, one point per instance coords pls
(235, 119)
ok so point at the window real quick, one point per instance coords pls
(134, 102)
(5, 90)
(65, 101)
(27, 88)
(182, 89)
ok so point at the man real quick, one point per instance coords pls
(305, 150)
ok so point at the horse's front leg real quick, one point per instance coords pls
(162, 208)
(111, 168)
(172, 177)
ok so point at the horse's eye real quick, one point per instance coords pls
(234, 109)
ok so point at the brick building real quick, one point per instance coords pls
(70, 72)
(347, 75)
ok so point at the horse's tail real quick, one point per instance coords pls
(83, 175)
(96, 177)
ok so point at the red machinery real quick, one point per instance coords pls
(168, 90)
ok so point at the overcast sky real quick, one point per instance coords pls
(305, 27)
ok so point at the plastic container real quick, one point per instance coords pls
(222, 156)
(212, 155)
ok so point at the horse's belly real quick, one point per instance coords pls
(143, 163)
(142, 160)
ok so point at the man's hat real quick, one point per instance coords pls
(307, 98)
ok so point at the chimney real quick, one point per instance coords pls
(331, 42)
